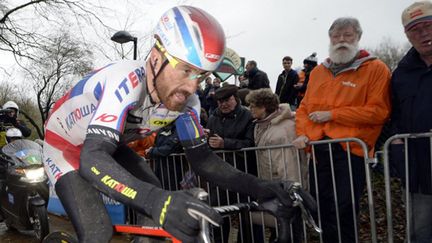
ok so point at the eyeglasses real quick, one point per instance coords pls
(419, 28)
(182, 67)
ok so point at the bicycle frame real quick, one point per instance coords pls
(139, 230)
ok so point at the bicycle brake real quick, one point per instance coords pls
(307, 217)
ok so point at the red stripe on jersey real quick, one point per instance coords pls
(71, 153)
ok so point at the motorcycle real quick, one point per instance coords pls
(24, 188)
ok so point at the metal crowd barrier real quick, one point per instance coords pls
(406, 138)
(172, 169)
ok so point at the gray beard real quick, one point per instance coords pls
(342, 56)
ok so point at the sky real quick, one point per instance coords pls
(268, 30)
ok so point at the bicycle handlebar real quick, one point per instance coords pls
(298, 197)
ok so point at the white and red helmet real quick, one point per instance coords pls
(193, 36)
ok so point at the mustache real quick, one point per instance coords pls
(345, 45)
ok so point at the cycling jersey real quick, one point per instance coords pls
(110, 104)
(87, 131)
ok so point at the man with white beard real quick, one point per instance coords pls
(347, 96)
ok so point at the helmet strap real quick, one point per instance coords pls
(155, 76)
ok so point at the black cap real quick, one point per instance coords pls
(225, 92)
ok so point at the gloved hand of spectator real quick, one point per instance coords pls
(177, 212)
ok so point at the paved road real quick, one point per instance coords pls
(56, 224)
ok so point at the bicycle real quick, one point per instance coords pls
(271, 206)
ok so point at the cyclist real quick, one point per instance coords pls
(86, 133)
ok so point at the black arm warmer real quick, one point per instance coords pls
(210, 166)
(98, 167)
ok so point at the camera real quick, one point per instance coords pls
(5, 111)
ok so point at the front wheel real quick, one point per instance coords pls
(39, 220)
(59, 237)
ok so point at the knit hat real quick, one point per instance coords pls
(416, 13)
(312, 59)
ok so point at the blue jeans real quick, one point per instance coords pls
(421, 218)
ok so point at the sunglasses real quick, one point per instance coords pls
(181, 66)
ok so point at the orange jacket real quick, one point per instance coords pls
(140, 146)
(358, 98)
(302, 77)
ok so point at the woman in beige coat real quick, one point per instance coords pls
(275, 125)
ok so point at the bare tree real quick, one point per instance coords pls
(390, 52)
(54, 68)
(7, 91)
(23, 25)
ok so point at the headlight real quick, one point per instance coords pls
(34, 175)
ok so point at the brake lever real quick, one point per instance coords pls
(306, 215)
(204, 235)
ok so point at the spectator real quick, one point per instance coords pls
(231, 124)
(285, 83)
(244, 82)
(257, 78)
(200, 93)
(8, 119)
(309, 63)
(203, 117)
(275, 125)
(167, 169)
(347, 96)
(207, 87)
(211, 102)
(230, 128)
(242, 93)
(412, 106)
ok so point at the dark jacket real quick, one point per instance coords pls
(166, 143)
(211, 103)
(7, 122)
(168, 168)
(412, 113)
(257, 79)
(285, 86)
(205, 94)
(236, 128)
